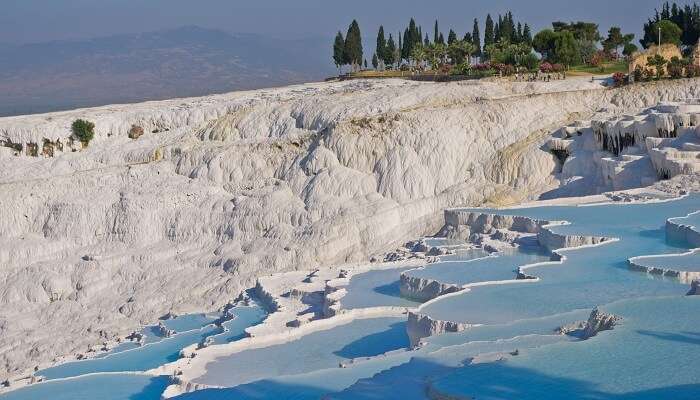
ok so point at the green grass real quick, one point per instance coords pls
(607, 69)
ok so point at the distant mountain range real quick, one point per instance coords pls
(187, 61)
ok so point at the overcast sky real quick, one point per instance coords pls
(23, 21)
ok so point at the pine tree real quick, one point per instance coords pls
(451, 37)
(519, 34)
(353, 45)
(476, 38)
(339, 51)
(437, 33)
(399, 50)
(381, 47)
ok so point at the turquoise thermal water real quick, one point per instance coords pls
(95, 387)
(319, 350)
(498, 266)
(71, 381)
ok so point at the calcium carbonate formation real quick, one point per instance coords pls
(179, 205)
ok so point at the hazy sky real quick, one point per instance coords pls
(23, 21)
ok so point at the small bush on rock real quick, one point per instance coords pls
(83, 130)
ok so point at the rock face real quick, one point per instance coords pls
(420, 326)
(694, 288)
(223, 189)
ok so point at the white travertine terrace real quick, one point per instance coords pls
(222, 190)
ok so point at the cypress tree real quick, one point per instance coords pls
(426, 42)
(519, 34)
(339, 50)
(451, 37)
(437, 33)
(497, 32)
(381, 45)
(527, 35)
(489, 34)
(441, 39)
(510, 32)
(388, 55)
(406, 49)
(353, 45)
(414, 37)
(375, 61)
(476, 38)
(400, 51)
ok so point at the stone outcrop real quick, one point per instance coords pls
(423, 289)
(597, 322)
(420, 326)
(694, 288)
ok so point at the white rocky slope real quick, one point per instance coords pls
(222, 189)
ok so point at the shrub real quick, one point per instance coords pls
(546, 67)
(531, 62)
(692, 71)
(638, 73)
(649, 74)
(83, 130)
(558, 67)
(675, 67)
(619, 79)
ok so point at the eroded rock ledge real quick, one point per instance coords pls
(420, 326)
(635, 264)
(678, 231)
(423, 289)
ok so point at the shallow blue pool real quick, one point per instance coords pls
(498, 266)
(95, 387)
(152, 355)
